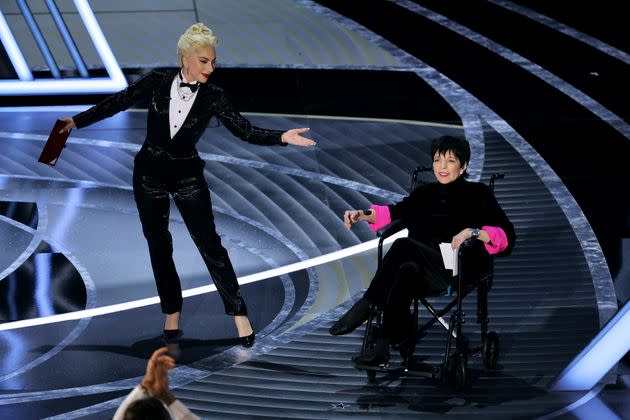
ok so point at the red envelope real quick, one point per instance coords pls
(55, 144)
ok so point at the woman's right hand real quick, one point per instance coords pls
(69, 125)
(350, 217)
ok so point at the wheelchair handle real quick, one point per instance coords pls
(421, 168)
(493, 177)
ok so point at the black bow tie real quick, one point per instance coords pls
(192, 86)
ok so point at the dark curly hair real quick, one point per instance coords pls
(459, 147)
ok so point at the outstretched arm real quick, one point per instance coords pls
(243, 129)
(134, 93)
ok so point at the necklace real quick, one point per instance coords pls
(180, 91)
(185, 96)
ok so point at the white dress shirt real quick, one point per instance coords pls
(182, 100)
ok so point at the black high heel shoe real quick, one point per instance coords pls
(248, 341)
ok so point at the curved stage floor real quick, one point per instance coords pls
(75, 243)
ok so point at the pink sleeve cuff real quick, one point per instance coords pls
(382, 217)
(498, 240)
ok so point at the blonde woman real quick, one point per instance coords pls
(181, 104)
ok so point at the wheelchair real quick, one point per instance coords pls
(453, 369)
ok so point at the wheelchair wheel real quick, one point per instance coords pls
(491, 350)
(458, 371)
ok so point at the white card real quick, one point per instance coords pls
(449, 256)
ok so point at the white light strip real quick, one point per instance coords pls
(114, 83)
(571, 408)
(60, 86)
(51, 108)
(98, 38)
(10, 45)
(290, 268)
(601, 354)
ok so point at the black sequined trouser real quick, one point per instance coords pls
(192, 198)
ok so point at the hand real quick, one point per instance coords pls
(69, 125)
(350, 217)
(293, 137)
(460, 238)
(155, 380)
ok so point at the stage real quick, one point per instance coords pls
(79, 308)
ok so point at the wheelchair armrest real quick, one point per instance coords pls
(394, 227)
(463, 248)
(468, 243)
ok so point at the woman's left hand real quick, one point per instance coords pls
(460, 238)
(293, 137)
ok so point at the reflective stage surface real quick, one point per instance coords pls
(539, 89)
(74, 243)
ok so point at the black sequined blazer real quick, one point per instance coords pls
(160, 153)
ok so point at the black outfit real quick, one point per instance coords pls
(166, 166)
(413, 266)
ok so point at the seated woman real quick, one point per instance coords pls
(450, 210)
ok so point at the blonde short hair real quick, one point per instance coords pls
(196, 36)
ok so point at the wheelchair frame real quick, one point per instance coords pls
(453, 369)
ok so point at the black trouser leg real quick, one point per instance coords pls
(409, 269)
(192, 198)
(432, 276)
(397, 319)
(152, 200)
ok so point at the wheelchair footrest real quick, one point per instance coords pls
(424, 371)
(377, 368)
